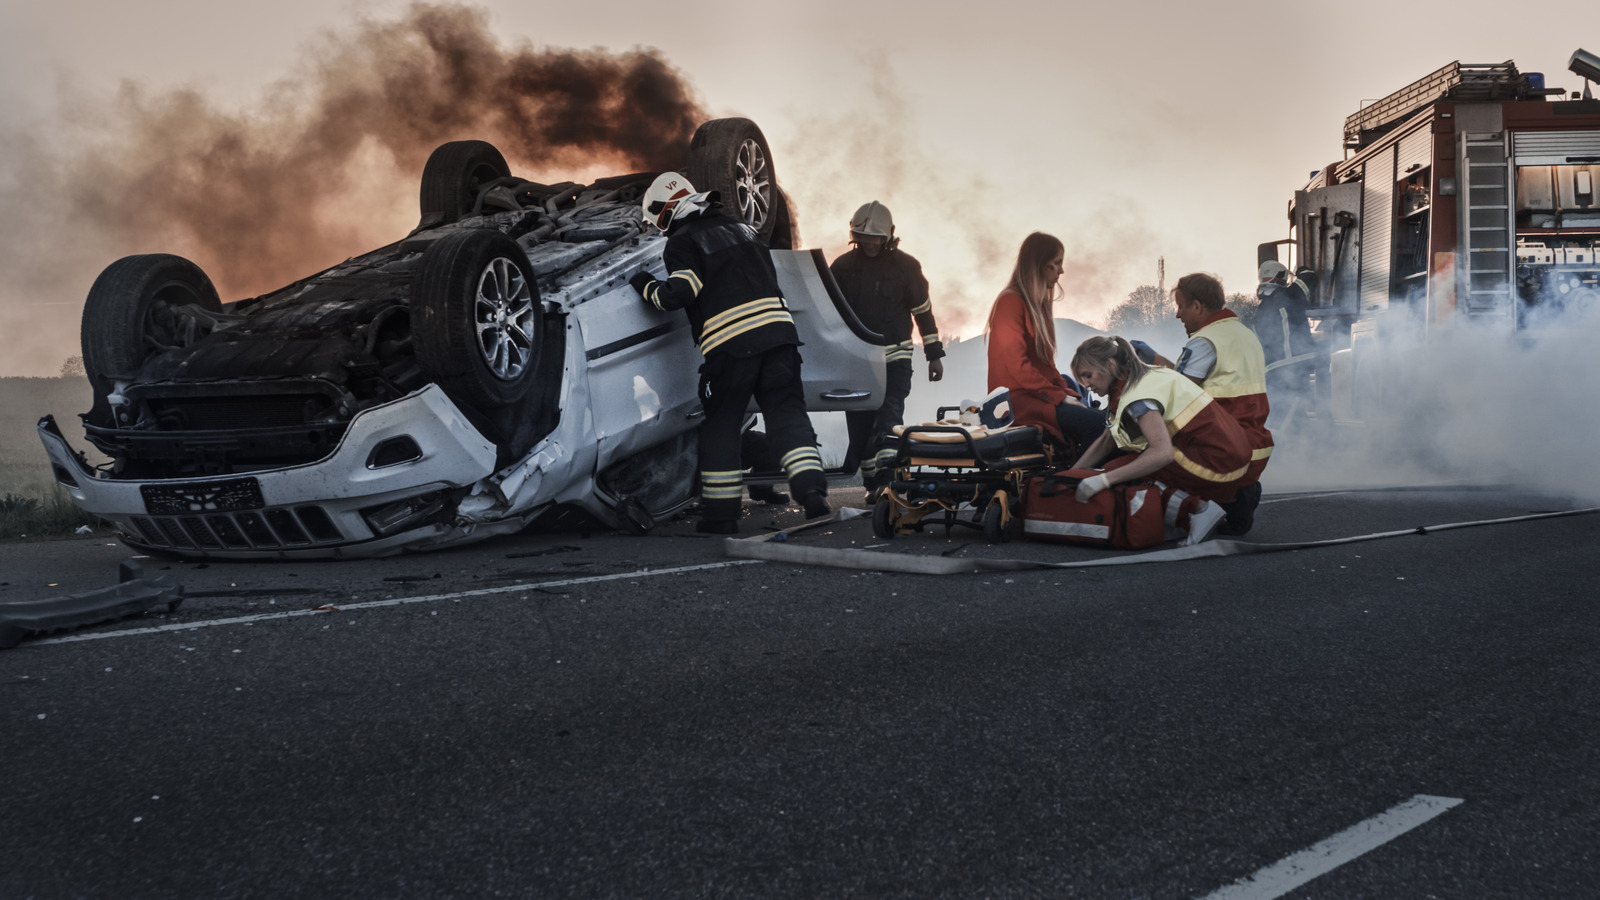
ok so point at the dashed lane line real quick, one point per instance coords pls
(395, 601)
(1289, 873)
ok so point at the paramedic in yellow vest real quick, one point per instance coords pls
(1224, 356)
(1168, 430)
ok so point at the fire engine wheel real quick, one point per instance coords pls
(476, 319)
(883, 519)
(730, 156)
(132, 313)
(453, 177)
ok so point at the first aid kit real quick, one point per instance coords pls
(1127, 516)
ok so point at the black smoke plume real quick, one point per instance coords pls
(325, 167)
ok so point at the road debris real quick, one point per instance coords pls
(135, 594)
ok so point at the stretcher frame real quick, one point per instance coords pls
(927, 488)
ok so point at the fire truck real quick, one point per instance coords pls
(1466, 196)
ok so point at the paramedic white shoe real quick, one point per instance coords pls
(1202, 523)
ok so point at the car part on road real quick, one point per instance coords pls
(134, 595)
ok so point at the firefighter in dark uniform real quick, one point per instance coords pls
(723, 278)
(887, 290)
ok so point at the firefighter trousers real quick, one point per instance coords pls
(727, 385)
(870, 445)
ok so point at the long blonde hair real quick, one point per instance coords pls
(1112, 355)
(1027, 279)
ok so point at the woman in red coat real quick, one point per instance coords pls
(1022, 349)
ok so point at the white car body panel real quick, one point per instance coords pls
(630, 377)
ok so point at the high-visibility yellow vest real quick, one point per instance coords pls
(1241, 367)
(1180, 400)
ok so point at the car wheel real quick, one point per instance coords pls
(730, 156)
(785, 236)
(883, 519)
(131, 313)
(476, 320)
(455, 174)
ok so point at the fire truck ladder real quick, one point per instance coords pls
(1489, 229)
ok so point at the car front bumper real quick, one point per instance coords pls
(340, 506)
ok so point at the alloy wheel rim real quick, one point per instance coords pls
(503, 312)
(752, 184)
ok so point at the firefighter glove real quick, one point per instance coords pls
(641, 281)
(1092, 485)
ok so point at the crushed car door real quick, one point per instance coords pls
(643, 372)
(842, 361)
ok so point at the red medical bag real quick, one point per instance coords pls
(1127, 515)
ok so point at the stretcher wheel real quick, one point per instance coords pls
(883, 519)
(995, 528)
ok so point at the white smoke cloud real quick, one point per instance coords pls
(1476, 404)
(963, 222)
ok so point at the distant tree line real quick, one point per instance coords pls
(1147, 305)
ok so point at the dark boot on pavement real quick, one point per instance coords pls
(816, 503)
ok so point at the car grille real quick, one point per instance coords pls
(223, 413)
(258, 529)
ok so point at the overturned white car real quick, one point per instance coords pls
(491, 370)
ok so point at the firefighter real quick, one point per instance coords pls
(1285, 334)
(1022, 349)
(886, 288)
(1169, 430)
(1224, 357)
(722, 277)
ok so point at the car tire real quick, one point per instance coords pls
(883, 519)
(730, 156)
(453, 177)
(476, 319)
(127, 316)
(784, 236)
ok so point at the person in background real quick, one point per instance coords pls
(1169, 430)
(722, 277)
(1022, 349)
(1224, 357)
(1285, 332)
(886, 288)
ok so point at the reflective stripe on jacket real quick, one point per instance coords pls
(1207, 442)
(723, 278)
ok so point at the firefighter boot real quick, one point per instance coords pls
(1241, 511)
(717, 526)
(766, 493)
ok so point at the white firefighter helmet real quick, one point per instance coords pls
(1272, 269)
(670, 196)
(873, 220)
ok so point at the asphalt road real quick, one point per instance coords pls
(608, 716)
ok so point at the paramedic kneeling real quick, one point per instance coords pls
(1170, 431)
(1224, 356)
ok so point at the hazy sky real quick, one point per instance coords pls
(1133, 130)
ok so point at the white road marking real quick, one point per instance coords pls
(1289, 873)
(397, 601)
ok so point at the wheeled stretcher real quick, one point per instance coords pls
(964, 475)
